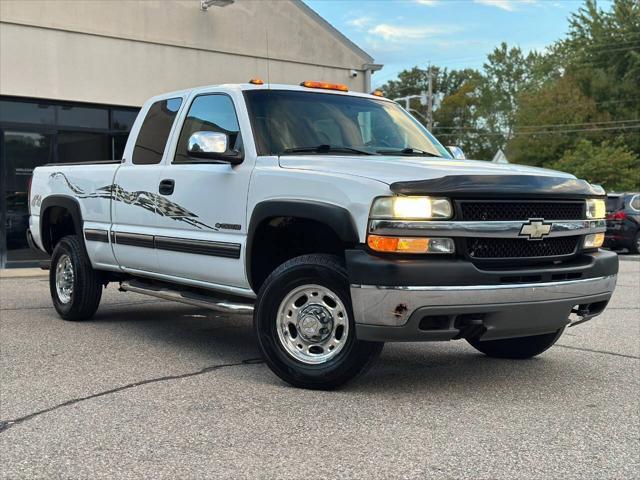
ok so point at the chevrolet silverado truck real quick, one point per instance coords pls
(335, 219)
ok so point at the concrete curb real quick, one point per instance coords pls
(22, 273)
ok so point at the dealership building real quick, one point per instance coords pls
(73, 74)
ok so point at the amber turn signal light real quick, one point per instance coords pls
(382, 244)
(594, 240)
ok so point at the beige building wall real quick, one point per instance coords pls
(122, 52)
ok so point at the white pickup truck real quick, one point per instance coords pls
(335, 218)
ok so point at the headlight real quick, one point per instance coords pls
(411, 208)
(596, 208)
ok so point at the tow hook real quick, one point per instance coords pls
(584, 315)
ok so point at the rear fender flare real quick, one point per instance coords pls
(68, 203)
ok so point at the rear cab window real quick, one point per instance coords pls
(154, 133)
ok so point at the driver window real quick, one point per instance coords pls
(209, 113)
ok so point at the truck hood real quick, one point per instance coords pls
(390, 169)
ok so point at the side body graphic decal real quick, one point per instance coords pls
(146, 200)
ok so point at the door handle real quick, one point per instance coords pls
(166, 186)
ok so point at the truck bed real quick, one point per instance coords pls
(71, 182)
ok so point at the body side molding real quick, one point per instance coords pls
(199, 247)
(174, 244)
(96, 235)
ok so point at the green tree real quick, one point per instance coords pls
(457, 120)
(550, 119)
(613, 165)
(507, 73)
(602, 52)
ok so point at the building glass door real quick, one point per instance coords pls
(22, 151)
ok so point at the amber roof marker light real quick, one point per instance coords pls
(256, 81)
(377, 93)
(325, 86)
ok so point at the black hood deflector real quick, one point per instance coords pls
(499, 186)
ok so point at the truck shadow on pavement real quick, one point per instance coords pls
(431, 367)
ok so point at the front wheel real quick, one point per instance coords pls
(305, 327)
(517, 348)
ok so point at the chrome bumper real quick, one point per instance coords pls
(394, 306)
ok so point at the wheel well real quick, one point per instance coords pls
(281, 238)
(57, 222)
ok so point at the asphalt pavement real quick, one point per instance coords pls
(152, 389)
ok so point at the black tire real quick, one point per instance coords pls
(517, 348)
(635, 246)
(354, 358)
(87, 283)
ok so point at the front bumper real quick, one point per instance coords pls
(447, 299)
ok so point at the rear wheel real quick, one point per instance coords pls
(517, 348)
(76, 288)
(305, 327)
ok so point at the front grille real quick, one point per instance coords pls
(489, 248)
(508, 210)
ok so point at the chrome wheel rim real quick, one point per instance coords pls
(64, 279)
(313, 324)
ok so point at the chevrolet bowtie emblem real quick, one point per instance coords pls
(535, 229)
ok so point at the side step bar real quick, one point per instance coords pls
(188, 297)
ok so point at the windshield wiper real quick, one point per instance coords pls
(328, 149)
(408, 151)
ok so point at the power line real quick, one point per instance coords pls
(617, 43)
(632, 47)
(541, 132)
(595, 124)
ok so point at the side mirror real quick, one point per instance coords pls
(213, 146)
(457, 152)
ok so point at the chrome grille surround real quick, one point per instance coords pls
(491, 229)
(497, 240)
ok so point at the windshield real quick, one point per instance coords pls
(287, 122)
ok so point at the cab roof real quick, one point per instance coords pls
(241, 87)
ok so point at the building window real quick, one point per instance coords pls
(122, 120)
(82, 147)
(83, 117)
(36, 132)
(30, 113)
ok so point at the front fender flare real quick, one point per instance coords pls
(337, 218)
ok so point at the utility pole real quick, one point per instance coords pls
(429, 100)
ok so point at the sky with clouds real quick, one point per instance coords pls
(451, 33)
